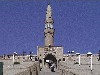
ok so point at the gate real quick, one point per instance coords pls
(1, 68)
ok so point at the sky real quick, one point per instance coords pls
(76, 24)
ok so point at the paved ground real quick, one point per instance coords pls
(48, 72)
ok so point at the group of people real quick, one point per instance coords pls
(51, 65)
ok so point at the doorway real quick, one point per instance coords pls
(49, 60)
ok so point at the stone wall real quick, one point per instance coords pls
(64, 70)
(31, 70)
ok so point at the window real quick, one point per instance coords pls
(49, 17)
(63, 59)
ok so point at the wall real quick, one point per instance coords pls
(31, 70)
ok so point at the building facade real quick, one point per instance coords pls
(49, 53)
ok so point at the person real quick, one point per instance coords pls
(52, 67)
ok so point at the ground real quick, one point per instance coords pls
(69, 66)
(47, 71)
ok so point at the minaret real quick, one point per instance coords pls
(49, 31)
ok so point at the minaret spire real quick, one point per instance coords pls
(49, 21)
(49, 30)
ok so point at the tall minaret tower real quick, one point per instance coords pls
(49, 51)
(49, 31)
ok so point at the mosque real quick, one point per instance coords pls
(49, 52)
